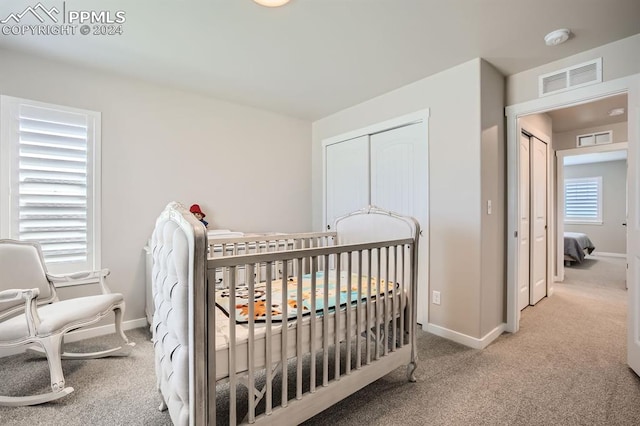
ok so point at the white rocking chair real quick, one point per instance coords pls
(31, 314)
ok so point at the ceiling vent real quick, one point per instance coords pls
(571, 78)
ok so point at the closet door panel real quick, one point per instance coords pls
(538, 237)
(347, 178)
(398, 170)
(399, 182)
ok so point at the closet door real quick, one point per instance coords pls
(347, 178)
(538, 220)
(399, 182)
(523, 225)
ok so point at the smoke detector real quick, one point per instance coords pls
(557, 37)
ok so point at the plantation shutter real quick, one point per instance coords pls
(583, 199)
(52, 184)
(53, 189)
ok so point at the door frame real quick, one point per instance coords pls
(420, 116)
(559, 217)
(578, 96)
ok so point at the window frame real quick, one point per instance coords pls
(580, 220)
(9, 110)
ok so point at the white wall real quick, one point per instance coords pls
(453, 98)
(619, 59)
(248, 168)
(611, 235)
(493, 186)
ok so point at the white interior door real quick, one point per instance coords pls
(399, 182)
(633, 231)
(347, 178)
(524, 224)
(538, 264)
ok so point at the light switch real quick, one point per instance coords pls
(488, 206)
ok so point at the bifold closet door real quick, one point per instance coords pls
(347, 178)
(524, 223)
(538, 266)
(532, 231)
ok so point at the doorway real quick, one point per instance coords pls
(631, 86)
(593, 182)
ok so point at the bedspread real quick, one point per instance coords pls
(575, 243)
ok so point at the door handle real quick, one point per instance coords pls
(624, 223)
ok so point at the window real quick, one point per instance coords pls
(50, 181)
(583, 200)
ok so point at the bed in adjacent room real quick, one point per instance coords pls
(576, 246)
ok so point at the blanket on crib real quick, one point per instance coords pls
(241, 303)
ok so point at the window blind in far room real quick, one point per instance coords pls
(583, 200)
(54, 184)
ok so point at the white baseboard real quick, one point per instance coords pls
(83, 334)
(463, 339)
(605, 254)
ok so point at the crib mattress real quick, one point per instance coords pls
(225, 355)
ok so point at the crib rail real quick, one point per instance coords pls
(267, 243)
(369, 316)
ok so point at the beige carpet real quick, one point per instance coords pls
(565, 367)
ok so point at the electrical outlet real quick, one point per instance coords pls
(436, 297)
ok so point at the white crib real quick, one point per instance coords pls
(278, 328)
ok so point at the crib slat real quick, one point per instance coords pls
(403, 300)
(348, 314)
(368, 306)
(325, 324)
(268, 340)
(285, 320)
(232, 347)
(249, 270)
(378, 301)
(359, 314)
(337, 310)
(298, 265)
(394, 303)
(312, 372)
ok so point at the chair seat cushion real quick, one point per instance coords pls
(66, 314)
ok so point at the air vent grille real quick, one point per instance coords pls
(555, 82)
(571, 78)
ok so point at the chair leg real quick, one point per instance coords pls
(51, 347)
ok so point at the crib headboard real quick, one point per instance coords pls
(375, 224)
(179, 244)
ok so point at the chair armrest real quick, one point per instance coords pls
(30, 309)
(82, 276)
(12, 295)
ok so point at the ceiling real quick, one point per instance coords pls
(312, 58)
(587, 115)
